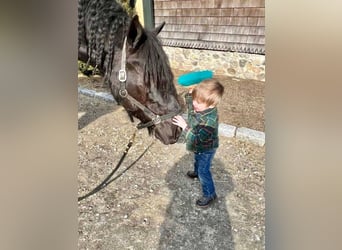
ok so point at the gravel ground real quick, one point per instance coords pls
(152, 205)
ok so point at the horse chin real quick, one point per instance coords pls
(167, 133)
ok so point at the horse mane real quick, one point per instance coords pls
(157, 67)
(104, 18)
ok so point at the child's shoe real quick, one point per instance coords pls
(192, 174)
(205, 201)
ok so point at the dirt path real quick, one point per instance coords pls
(152, 205)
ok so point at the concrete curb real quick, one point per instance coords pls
(242, 133)
(92, 93)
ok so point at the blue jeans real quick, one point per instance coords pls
(202, 168)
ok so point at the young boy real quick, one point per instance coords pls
(201, 133)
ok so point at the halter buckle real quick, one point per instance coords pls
(122, 75)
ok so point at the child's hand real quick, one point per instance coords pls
(179, 121)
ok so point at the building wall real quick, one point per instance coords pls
(226, 36)
(140, 12)
(220, 25)
(233, 64)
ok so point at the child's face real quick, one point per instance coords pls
(199, 106)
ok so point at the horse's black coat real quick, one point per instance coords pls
(103, 26)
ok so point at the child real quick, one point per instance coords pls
(201, 133)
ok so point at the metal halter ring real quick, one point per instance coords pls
(156, 120)
(123, 92)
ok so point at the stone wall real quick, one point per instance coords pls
(233, 64)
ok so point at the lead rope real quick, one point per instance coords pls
(107, 180)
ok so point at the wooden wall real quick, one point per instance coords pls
(225, 25)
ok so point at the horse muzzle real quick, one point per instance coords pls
(167, 132)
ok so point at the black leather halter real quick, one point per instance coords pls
(155, 118)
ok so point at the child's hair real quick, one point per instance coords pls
(209, 91)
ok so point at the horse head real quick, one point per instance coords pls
(119, 46)
(146, 89)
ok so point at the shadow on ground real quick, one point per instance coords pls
(189, 227)
(90, 110)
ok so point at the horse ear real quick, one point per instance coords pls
(136, 33)
(157, 30)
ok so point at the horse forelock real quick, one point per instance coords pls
(157, 68)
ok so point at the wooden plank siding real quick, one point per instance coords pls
(225, 25)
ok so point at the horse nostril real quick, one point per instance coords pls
(178, 132)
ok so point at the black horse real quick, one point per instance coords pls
(133, 63)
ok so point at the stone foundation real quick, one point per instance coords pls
(233, 64)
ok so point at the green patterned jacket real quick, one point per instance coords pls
(201, 134)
